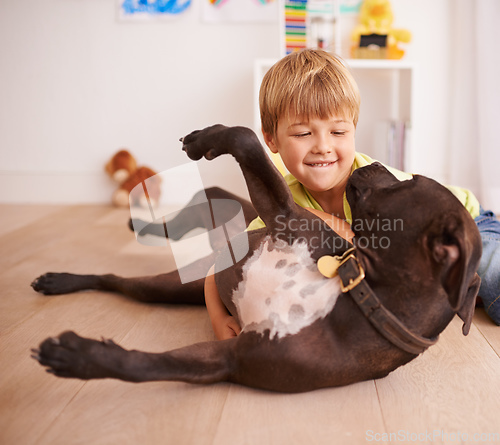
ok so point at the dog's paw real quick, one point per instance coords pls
(138, 226)
(131, 224)
(70, 355)
(217, 140)
(143, 228)
(205, 143)
(58, 283)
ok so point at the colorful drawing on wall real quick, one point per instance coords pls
(147, 9)
(241, 11)
(217, 2)
(350, 6)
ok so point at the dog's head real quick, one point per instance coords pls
(419, 227)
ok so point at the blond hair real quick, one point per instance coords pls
(310, 83)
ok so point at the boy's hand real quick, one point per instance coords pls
(223, 323)
(226, 327)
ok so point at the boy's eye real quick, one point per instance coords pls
(339, 133)
(301, 135)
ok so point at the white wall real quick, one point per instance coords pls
(429, 22)
(76, 85)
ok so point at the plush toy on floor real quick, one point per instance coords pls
(376, 19)
(123, 169)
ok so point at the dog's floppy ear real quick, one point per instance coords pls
(453, 251)
(466, 312)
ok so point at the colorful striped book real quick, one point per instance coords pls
(295, 25)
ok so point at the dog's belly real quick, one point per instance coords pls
(282, 290)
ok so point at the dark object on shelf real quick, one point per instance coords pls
(372, 46)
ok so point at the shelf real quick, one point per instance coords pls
(379, 64)
(357, 64)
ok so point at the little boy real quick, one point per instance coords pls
(309, 106)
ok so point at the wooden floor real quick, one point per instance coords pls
(450, 394)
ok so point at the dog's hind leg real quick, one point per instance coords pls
(198, 213)
(249, 359)
(177, 287)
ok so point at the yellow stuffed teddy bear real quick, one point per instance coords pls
(376, 18)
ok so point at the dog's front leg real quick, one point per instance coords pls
(268, 191)
(70, 355)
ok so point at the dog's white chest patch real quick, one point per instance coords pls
(283, 291)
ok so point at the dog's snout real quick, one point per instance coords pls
(366, 180)
(370, 170)
(374, 175)
(183, 144)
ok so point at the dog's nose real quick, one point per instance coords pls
(370, 170)
(183, 146)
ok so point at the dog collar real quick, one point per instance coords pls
(352, 276)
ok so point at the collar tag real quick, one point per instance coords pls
(328, 265)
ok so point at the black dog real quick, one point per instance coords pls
(394, 293)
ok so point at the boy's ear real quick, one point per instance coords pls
(270, 142)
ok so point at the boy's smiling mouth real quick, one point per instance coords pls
(320, 164)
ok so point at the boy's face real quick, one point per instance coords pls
(318, 152)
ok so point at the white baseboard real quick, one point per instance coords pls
(55, 187)
(179, 185)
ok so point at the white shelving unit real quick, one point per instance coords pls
(387, 94)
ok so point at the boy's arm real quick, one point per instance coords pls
(223, 323)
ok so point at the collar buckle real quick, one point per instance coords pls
(353, 282)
